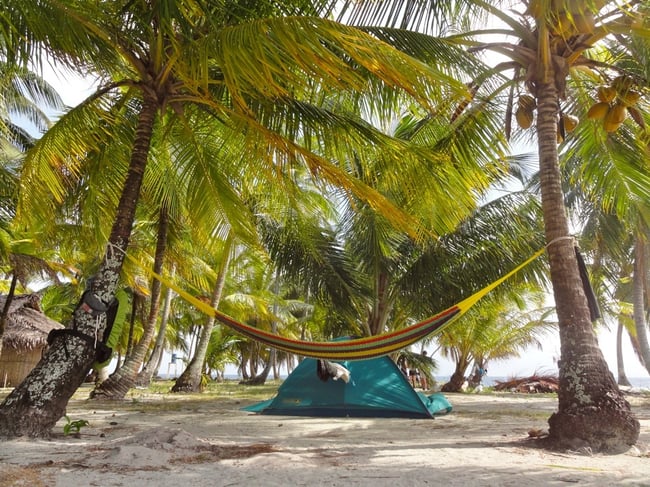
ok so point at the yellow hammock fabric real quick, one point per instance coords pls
(354, 349)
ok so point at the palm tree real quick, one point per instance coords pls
(618, 188)
(24, 97)
(544, 46)
(616, 269)
(118, 384)
(158, 60)
(153, 362)
(190, 379)
(494, 330)
(261, 300)
(640, 280)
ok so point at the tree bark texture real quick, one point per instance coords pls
(117, 385)
(592, 412)
(35, 405)
(457, 379)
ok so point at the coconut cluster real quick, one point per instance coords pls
(567, 18)
(615, 102)
(525, 115)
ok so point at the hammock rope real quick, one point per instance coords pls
(354, 349)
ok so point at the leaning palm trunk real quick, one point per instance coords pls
(592, 412)
(34, 407)
(457, 379)
(190, 379)
(146, 374)
(118, 384)
(260, 379)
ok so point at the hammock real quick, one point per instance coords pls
(354, 349)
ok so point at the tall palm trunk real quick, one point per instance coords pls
(118, 384)
(136, 303)
(190, 379)
(591, 410)
(34, 407)
(382, 306)
(620, 364)
(260, 379)
(639, 279)
(146, 374)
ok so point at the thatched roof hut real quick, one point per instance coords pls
(24, 338)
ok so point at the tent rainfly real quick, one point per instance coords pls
(376, 388)
(24, 338)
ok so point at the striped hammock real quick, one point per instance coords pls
(353, 349)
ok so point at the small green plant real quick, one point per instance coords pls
(205, 380)
(74, 426)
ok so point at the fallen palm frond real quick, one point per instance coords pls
(536, 383)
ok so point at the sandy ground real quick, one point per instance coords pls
(167, 441)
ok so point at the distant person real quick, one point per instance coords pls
(423, 377)
(477, 376)
(414, 377)
(404, 367)
(481, 373)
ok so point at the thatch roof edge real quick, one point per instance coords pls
(27, 327)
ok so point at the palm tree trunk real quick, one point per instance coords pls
(118, 384)
(135, 305)
(457, 379)
(592, 412)
(146, 374)
(260, 379)
(620, 365)
(639, 279)
(190, 379)
(382, 306)
(34, 407)
(5, 309)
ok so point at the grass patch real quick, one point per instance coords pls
(160, 390)
(230, 389)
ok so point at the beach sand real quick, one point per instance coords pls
(169, 440)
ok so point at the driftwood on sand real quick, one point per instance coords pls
(532, 385)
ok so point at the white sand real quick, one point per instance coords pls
(184, 441)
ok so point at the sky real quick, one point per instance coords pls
(543, 361)
(74, 89)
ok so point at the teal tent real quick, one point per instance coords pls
(377, 388)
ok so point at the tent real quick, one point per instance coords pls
(377, 388)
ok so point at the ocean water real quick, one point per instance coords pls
(637, 382)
